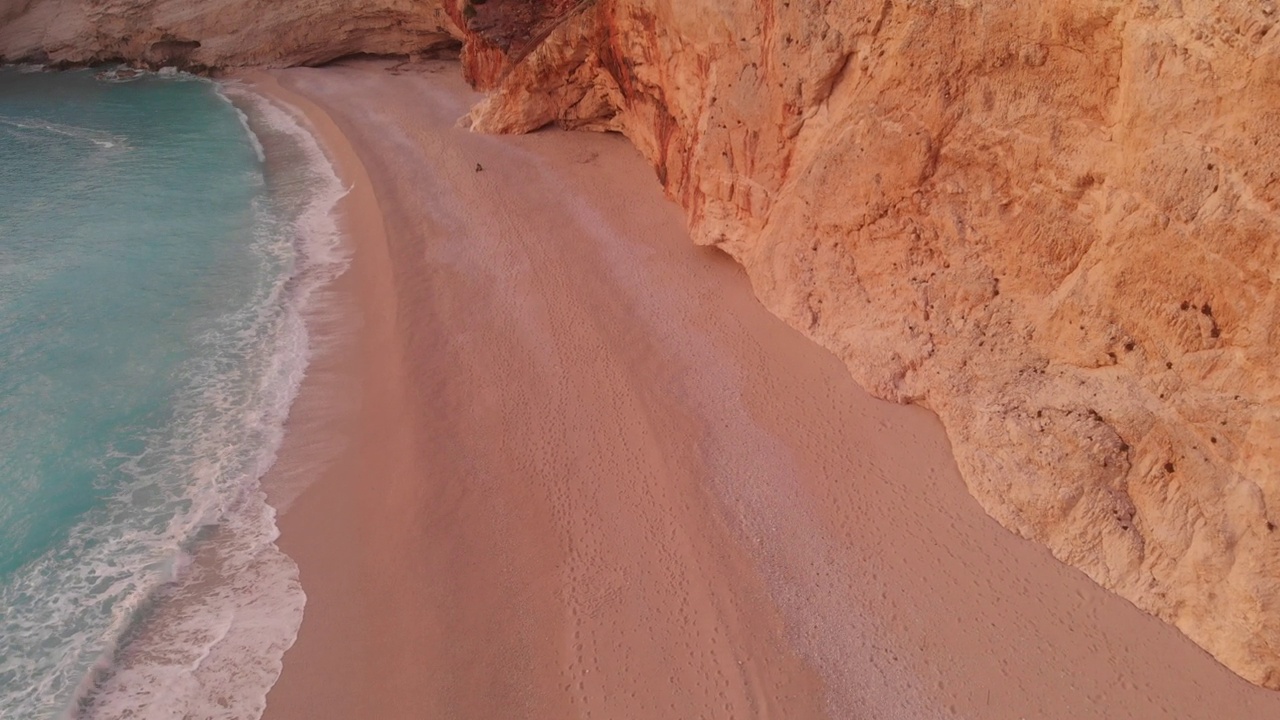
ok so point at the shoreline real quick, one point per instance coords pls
(352, 397)
(589, 475)
(167, 592)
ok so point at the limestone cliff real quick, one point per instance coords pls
(1055, 224)
(218, 33)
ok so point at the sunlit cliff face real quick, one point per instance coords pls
(1054, 225)
(212, 35)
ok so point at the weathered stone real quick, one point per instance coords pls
(218, 33)
(1055, 224)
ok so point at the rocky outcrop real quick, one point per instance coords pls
(1055, 224)
(218, 33)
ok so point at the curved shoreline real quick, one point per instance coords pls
(348, 423)
(600, 478)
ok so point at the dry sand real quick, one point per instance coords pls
(590, 476)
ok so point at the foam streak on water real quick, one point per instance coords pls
(160, 592)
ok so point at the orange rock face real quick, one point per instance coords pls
(1055, 224)
(218, 33)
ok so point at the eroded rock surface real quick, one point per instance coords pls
(1055, 224)
(218, 33)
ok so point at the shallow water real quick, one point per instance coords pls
(157, 260)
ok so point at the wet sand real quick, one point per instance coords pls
(586, 474)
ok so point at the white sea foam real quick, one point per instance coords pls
(125, 73)
(201, 602)
(244, 122)
(97, 137)
(214, 645)
(120, 74)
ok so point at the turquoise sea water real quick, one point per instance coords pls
(155, 272)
